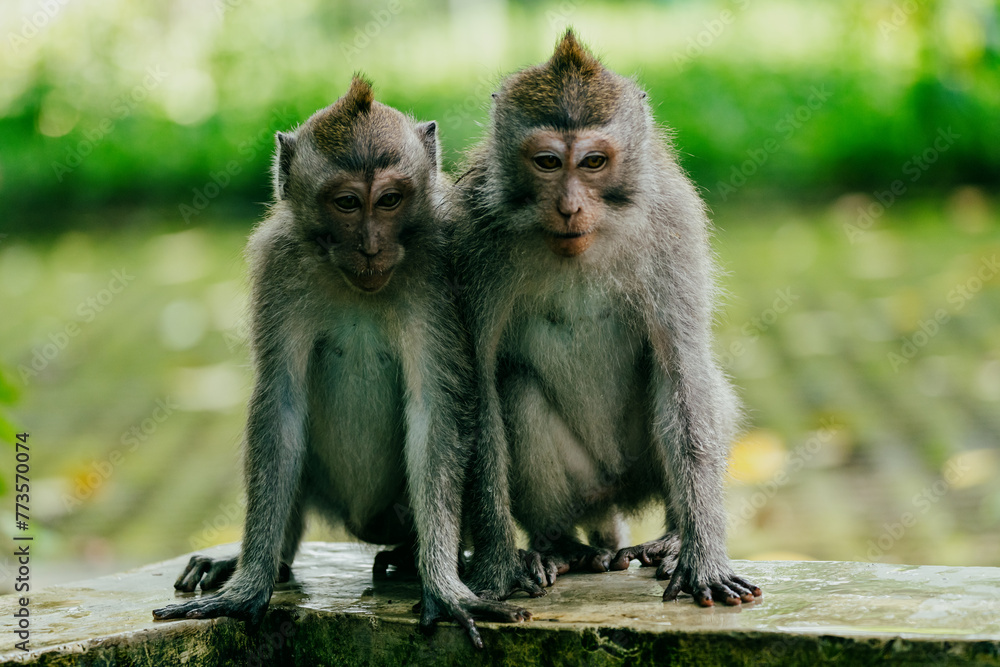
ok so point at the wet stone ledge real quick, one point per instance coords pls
(333, 614)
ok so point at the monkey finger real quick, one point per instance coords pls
(665, 570)
(723, 593)
(170, 612)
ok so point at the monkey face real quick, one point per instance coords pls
(570, 175)
(364, 217)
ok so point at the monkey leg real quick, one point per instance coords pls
(275, 457)
(661, 553)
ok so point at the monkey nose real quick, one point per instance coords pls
(567, 209)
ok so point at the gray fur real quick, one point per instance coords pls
(598, 387)
(358, 397)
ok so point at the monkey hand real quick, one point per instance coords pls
(248, 608)
(662, 553)
(722, 586)
(436, 608)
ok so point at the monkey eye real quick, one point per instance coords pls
(547, 161)
(347, 202)
(389, 200)
(595, 161)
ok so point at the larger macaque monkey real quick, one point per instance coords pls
(589, 292)
(359, 363)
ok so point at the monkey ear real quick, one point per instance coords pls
(428, 136)
(283, 162)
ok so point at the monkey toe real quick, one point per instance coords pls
(528, 585)
(665, 569)
(657, 552)
(192, 574)
(498, 611)
(601, 561)
(751, 588)
(725, 594)
(400, 558)
(535, 568)
(218, 573)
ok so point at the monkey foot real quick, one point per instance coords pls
(728, 589)
(544, 565)
(499, 583)
(402, 558)
(433, 609)
(662, 553)
(249, 609)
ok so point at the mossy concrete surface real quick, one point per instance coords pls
(332, 613)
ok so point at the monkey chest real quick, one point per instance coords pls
(579, 339)
(356, 410)
(584, 355)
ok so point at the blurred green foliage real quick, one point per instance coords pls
(176, 103)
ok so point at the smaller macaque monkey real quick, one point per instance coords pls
(589, 288)
(360, 364)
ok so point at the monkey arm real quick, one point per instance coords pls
(275, 450)
(694, 412)
(436, 462)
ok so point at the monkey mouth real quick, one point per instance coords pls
(569, 244)
(369, 280)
